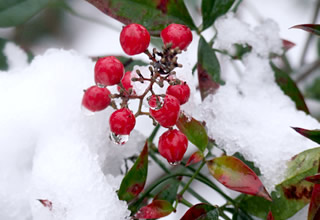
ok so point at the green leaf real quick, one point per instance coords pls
(194, 130)
(236, 175)
(248, 163)
(312, 28)
(208, 69)
(201, 211)
(289, 88)
(168, 190)
(313, 135)
(212, 9)
(133, 183)
(3, 59)
(240, 50)
(155, 15)
(292, 194)
(16, 12)
(156, 209)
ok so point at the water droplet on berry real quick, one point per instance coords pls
(174, 163)
(118, 139)
(86, 111)
(158, 105)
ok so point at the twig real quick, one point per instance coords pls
(309, 71)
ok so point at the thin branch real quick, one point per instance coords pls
(308, 71)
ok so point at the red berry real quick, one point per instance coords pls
(172, 145)
(177, 34)
(122, 121)
(181, 92)
(134, 39)
(126, 81)
(96, 98)
(167, 114)
(108, 71)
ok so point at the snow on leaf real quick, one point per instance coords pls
(156, 209)
(236, 175)
(201, 211)
(313, 135)
(133, 183)
(194, 130)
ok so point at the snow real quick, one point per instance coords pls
(16, 57)
(250, 114)
(51, 150)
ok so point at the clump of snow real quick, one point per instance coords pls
(251, 115)
(16, 57)
(232, 30)
(51, 150)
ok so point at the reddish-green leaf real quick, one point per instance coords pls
(194, 130)
(270, 216)
(201, 211)
(196, 157)
(312, 28)
(155, 15)
(314, 179)
(313, 135)
(46, 203)
(133, 183)
(287, 45)
(314, 207)
(156, 209)
(289, 87)
(208, 69)
(236, 175)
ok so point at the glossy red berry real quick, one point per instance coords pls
(181, 92)
(177, 34)
(122, 122)
(126, 81)
(173, 145)
(108, 71)
(165, 111)
(134, 39)
(96, 98)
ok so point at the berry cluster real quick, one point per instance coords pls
(163, 108)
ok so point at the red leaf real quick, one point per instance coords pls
(156, 209)
(314, 208)
(236, 175)
(287, 45)
(46, 203)
(312, 28)
(270, 216)
(196, 157)
(313, 135)
(314, 179)
(197, 211)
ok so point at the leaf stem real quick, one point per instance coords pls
(310, 35)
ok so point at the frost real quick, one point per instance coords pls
(16, 57)
(263, 39)
(50, 150)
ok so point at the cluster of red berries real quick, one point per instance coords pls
(163, 108)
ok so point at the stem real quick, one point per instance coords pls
(234, 10)
(185, 202)
(310, 35)
(309, 71)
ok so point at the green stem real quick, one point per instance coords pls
(153, 134)
(234, 10)
(185, 202)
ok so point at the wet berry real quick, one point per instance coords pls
(173, 145)
(164, 110)
(181, 92)
(96, 98)
(122, 122)
(126, 81)
(177, 34)
(134, 39)
(108, 71)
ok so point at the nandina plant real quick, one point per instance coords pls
(171, 23)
